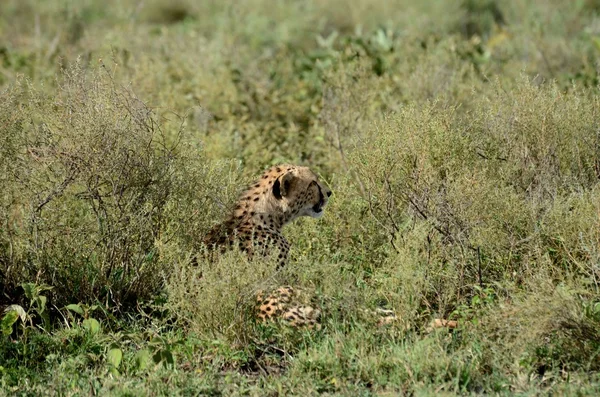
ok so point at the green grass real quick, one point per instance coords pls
(460, 139)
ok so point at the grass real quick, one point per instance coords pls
(461, 143)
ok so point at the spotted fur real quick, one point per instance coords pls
(281, 195)
(289, 304)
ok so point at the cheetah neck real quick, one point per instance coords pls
(274, 221)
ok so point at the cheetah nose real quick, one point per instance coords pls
(329, 193)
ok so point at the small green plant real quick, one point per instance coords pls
(37, 302)
(37, 309)
(162, 351)
(483, 299)
(89, 323)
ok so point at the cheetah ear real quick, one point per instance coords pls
(281, 187)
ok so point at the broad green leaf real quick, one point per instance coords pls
(20, 311)
(75, 308)
(114, 357)
(158, 341)
(142, 359)
(91, 324)
(29, 289)
(7, 322)
(41, 302)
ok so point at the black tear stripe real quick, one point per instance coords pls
(319, 206)
(277, 189)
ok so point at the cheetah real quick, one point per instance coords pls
(282, 194)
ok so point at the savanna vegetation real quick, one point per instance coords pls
(461, 140)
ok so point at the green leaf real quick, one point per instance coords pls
(142, 359)
(7, 322)
(46, 320)
(75, 308)
(29, 289)
(92, 325)
(165, 356)
(149, 256)
(157, 357)
(114, 357)
(20, 311)
(41, 303)
(168, 357)
(158, 341)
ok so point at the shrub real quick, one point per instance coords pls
(484, 184)
(92, 180)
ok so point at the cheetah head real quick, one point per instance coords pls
(299, 191)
